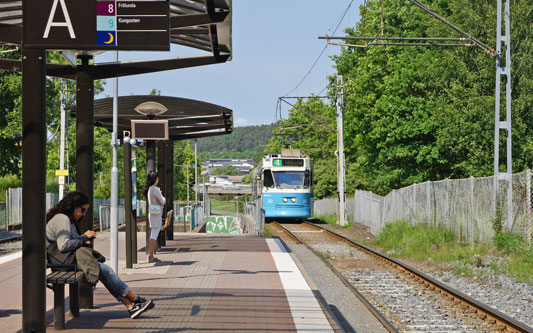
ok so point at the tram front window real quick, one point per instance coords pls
(290, 179)
(268, 181)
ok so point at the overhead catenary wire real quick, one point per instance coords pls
(310, 116)
(338, 23)
(467, 37)
(403, 44)
(485, 47)
(452, 39)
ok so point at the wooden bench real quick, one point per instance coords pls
(68, 274)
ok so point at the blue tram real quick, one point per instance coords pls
(287, 185)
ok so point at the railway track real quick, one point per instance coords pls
(401, 297)
(9, 239)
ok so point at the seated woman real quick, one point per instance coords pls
(62, 228)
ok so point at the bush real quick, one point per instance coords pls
(8, 181)
(509, 243)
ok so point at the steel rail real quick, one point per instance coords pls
(10, 239)
(388, 326)
(496, 315)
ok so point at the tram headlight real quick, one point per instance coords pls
(285, 199)
(293, 200)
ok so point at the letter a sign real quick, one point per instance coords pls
(59, 24)
(51, 22)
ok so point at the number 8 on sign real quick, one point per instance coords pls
(105, 8)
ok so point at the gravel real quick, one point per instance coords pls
(351, 314)
(500, 292)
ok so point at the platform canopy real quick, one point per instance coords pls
(187, 118)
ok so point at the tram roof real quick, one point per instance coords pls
(199, 24)
(187, 118)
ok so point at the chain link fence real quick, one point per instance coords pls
(327, 207)
(13, 206)
(255, 215)
(470, 207)
(3, 216)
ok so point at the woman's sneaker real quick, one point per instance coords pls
(139, 308)
(153, 260)
(140, 299)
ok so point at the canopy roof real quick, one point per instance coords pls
(187, 118)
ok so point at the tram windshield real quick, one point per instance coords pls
(291, 179)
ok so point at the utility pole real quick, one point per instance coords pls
(340, 152)
(498, 123)
(62, 139)
(195, 171)
(114, 180)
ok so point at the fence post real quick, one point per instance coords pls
(414, 203)
(471, 229)
(447, 203)
(382, 225)
(528, 205)
(428, 195)
(7, 210)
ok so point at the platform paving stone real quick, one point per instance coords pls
(204, 283)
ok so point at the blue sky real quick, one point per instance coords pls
(275, 43)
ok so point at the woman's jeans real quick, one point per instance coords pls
(112, 282)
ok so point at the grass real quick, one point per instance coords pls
(325, 255)
(332, 220)
(225, 206)
(266, 232)
(509, 254)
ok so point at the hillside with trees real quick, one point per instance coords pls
(414, 114)
(245, 142)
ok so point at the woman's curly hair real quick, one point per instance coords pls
(67, 205)
(150, 180)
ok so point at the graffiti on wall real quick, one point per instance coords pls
(223, 225)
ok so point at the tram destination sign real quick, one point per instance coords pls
(137, 25)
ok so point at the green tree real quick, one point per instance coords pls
(227, 170)
(418, 113)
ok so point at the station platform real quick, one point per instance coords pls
(204, 282)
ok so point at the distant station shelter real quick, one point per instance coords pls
(187, 118)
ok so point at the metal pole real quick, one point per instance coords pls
(134, 200)
(62, 139)
(114, 180)
(161, 171)
(507, 15)
(85, 156)
(34, 190)
(150, 166)
(340, 152)
(127, 200)
(169, 195)
(187, 183)
(195, 171)
(498, 124)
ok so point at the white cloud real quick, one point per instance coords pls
(241, 121)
